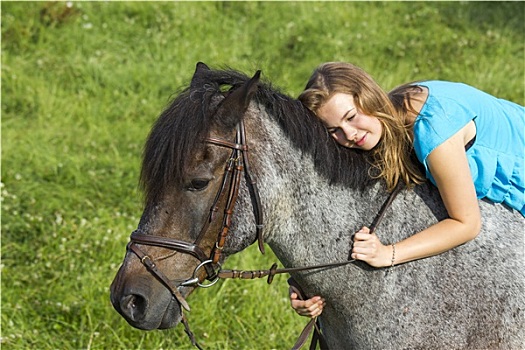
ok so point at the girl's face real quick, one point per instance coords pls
(348, 126)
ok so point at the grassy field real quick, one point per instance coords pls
(82, 82)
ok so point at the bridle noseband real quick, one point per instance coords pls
(237, 163)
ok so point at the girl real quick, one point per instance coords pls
(471, 146)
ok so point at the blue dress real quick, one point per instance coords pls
(497, 156)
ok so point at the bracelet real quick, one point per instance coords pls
(393, 255)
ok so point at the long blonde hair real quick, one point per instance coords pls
(393, 156)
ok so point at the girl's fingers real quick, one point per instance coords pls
(364, 229)
(311, 307)
(363, 236)
(313, 310)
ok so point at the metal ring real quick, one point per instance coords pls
(211, 282)
(144, 258)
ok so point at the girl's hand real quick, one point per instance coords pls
(369, 249)
(309, 308)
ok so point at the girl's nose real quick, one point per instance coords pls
(350, 133)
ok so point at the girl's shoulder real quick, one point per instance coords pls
(443, 114)
(456, 94)
(450, 102)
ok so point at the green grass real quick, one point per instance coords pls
(81, 87)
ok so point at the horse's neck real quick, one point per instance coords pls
(302, 210)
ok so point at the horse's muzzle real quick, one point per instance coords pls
(145, 303)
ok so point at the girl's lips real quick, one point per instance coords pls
(361, 141)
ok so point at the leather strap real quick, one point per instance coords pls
(254, 192)
(235, 184)
(251, 274)
(189, 332)
(169, 243)
(241, 146)
(227, 144)
(386, 205)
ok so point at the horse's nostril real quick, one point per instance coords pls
(133, 306)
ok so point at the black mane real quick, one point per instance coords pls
(186, 121)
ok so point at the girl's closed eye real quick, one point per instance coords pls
(351, 117)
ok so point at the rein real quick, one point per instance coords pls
(237, 163)
(275, 271)
(313, 324)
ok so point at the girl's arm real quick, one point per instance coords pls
(449, 167)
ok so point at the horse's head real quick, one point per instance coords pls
(191, 171)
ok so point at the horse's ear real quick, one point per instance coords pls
(235, 104)
(199, 70)
(201, 65)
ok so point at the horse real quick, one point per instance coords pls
(304, 196)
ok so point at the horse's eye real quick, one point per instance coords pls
(198, 184)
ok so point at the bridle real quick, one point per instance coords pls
(237, 163)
